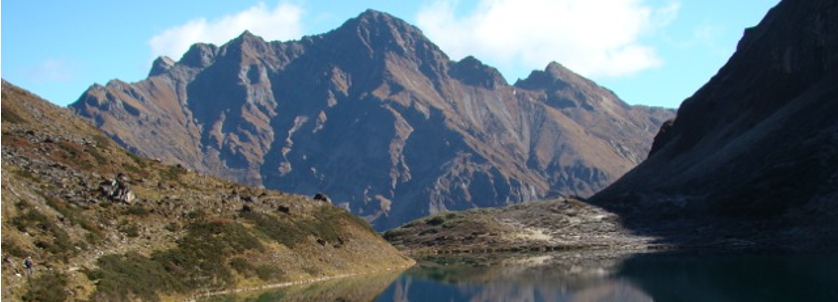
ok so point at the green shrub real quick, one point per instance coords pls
(13, 249)
(196, 214)
(428, 231)
(242, 266)
(27, 175)
(283, 231)
(270, 273)
(11, 116)
(101, 140)
(130, 230)
(173, 226)
(313, 271)
(75, 216)
(198, 259)
(47, 286)
(131, 275)
(59, 244)
(327, 224)
(94, 152)
(137, 210)
(196, 263)
(436, 220)
(357, 221)
(395, 234)
(173, 173)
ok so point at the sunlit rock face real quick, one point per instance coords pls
(377, 117)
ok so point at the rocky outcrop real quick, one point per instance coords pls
(560, 224)
(379, 118)
(752, 154)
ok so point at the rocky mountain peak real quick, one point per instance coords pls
(379, 33)
(375, 115)
(554, 76)
(199, 55)
(473, 72)
(566, 89)
(161, 65)
(246, 39)
(373, 19)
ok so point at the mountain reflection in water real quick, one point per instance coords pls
(587, 276)
(582, 276)
(604, 276)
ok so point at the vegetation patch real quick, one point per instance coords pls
(197, 263)
(137, 210)
(13, 249)
(130, 230)
(121, 278)
(435, 221)
(27, 175)
(283, 231)
(11, 116)
(101, 141)
(34, 222)
(198, 260)
(243, 267)
(326, 224)
(269, 272)
(47, 286)
(101, 159)
(140, 165)
(173, 226)
(173, 173)
(75, 216)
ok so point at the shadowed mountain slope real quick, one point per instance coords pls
(753, 154)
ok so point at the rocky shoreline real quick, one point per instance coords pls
(565, 224)
(552, 225)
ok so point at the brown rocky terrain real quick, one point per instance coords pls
(551, 225)
(752, 155)
(102, 224)
(377, 117)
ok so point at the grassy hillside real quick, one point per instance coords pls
(102, 224)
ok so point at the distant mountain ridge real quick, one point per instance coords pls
(379, 118)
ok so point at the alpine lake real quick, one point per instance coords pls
(731, 275)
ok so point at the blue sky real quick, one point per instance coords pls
(652, 52)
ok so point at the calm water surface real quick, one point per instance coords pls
(589, 276)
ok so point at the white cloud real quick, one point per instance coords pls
(279, 23)
(596, 38)
(52, 70)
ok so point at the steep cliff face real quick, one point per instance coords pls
(754, 151)
(379, 118)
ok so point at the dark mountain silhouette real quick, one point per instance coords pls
(377, 117)
(753, 154)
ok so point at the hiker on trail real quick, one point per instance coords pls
(28, 264)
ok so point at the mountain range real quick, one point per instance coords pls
(749, 163)
(377, 117)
